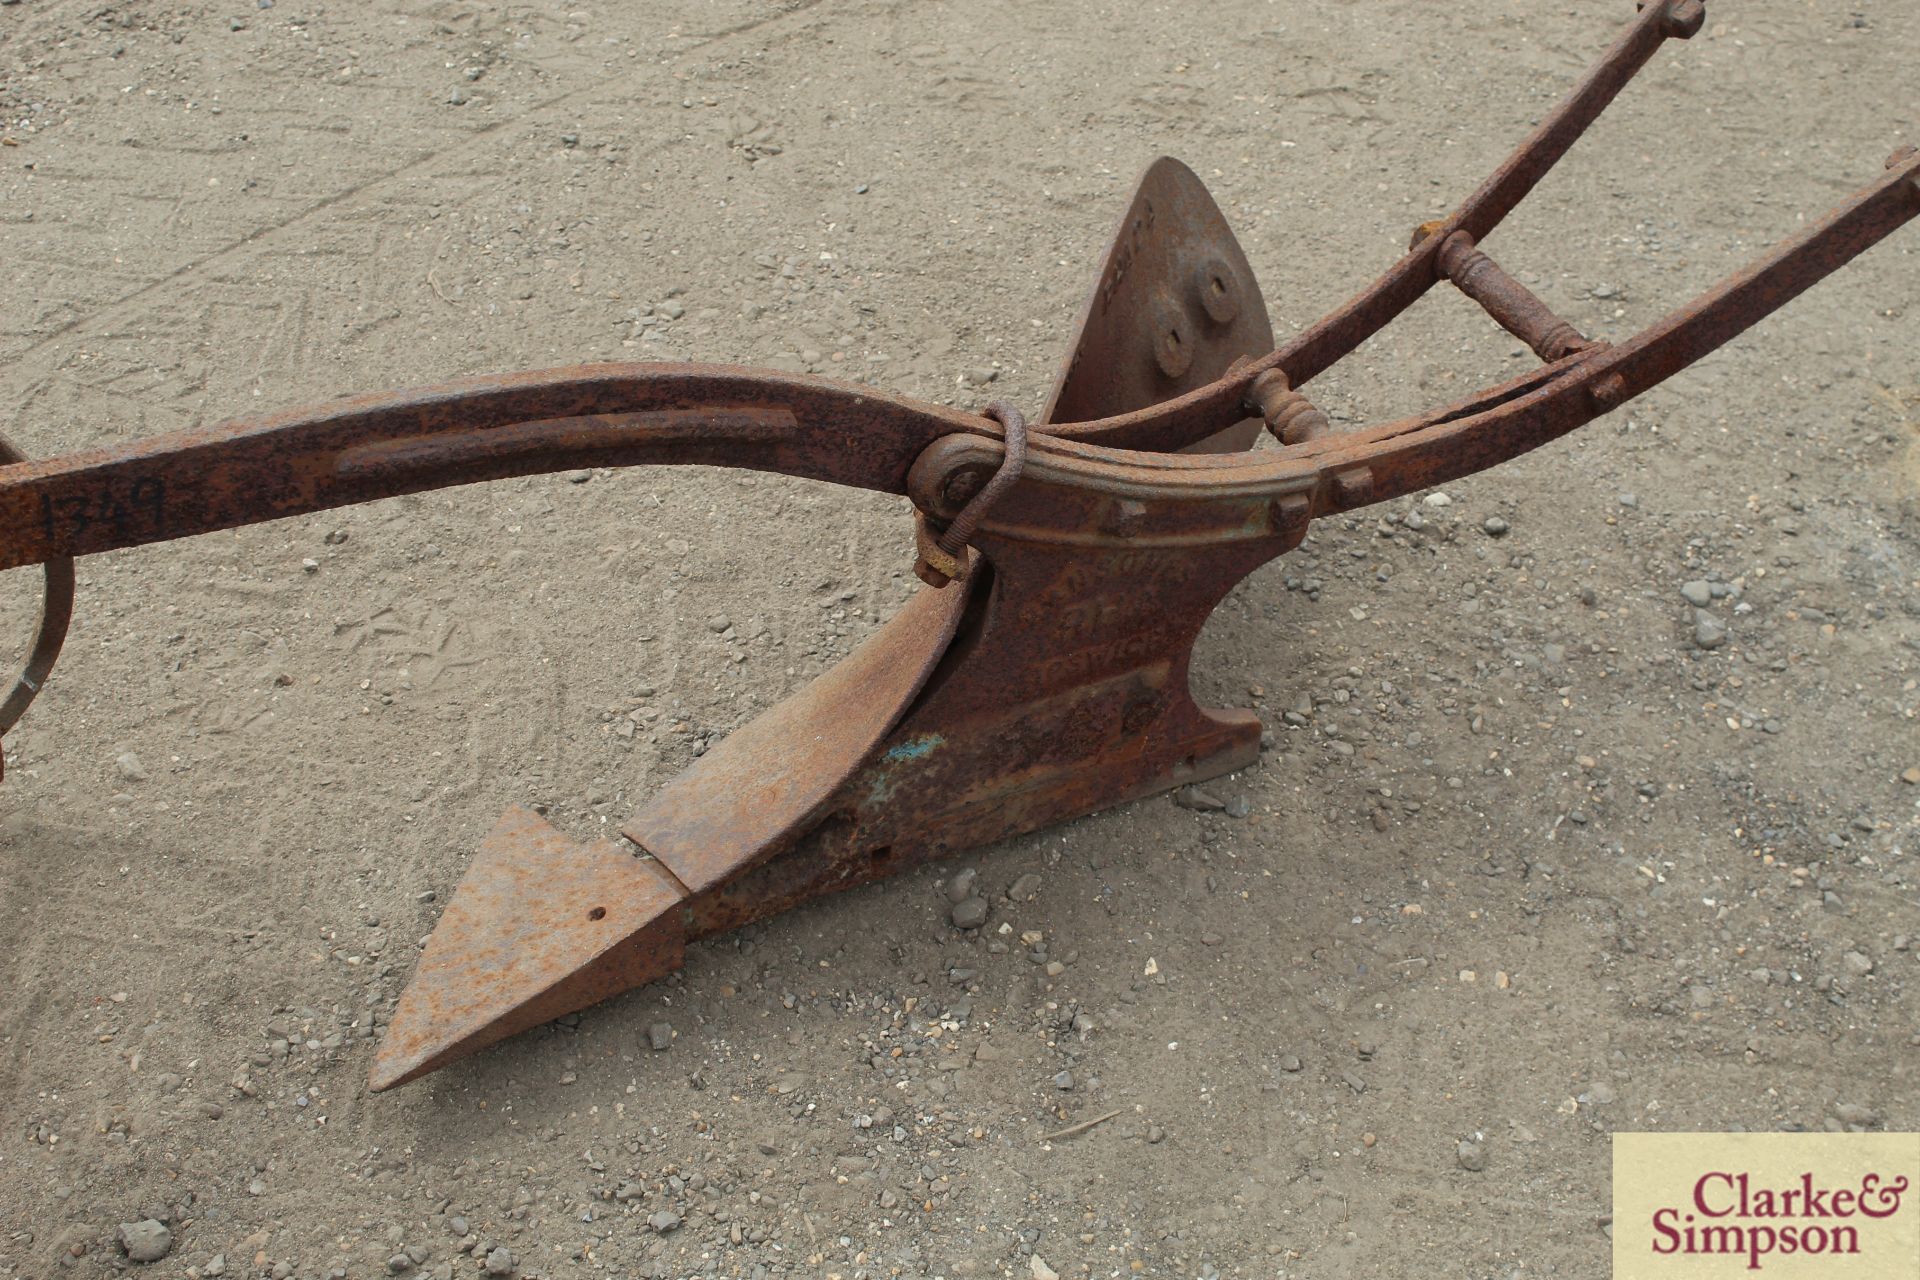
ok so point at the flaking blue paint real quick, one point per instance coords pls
(914, 749)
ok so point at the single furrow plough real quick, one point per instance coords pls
(1070, 564)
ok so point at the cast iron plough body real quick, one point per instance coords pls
(1046, 675)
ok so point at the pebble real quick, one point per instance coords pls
(1472, 1157)
(130, 767)
(1854, 1113)
(1239, 807)
(664, 1221)
(145, 1241)
(1496, 526)
(1858, 963)
(1198, 799)
(1024, 889)
(398, 1264)
(660, 1036)
(960, 885)
(1697, 593)
(499, 1261)
(1708, 633)
(1063, 1080)
(719, 622)
(970, 913)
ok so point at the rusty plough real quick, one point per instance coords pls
(1042, 674)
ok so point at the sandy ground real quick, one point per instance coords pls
(1525, 866)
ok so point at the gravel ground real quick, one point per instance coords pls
(1593, 784)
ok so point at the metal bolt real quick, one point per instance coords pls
(1608, 391)
(1217, 290)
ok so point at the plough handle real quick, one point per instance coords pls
(370, 447)
(1200, 413)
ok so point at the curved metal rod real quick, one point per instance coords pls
(49, 630)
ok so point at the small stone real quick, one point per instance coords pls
(1496, 526)
(1858, 963)
(719, 622)
(1024, 889)
(1063, 1081)
(579, 477)
(1472, 1157)
(458, 98)
(970, 914)
(672, 309)
(1708, 633)
(980, 376)
(1854, 1113)
(1697, 593)
(310, 565)
(1238, 807)
(1040, 1269)
(145, 1241)
(1291, 1062)
(960, 885)
(1911, 777)
(659, 1036)
(1199, 800)
(457, 1225)
(1156, 1134)
(664, 1221)
(1437, 499)
(399, 1264)
(499, 1261)
(130, 767)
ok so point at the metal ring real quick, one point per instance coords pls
(960, 532)
(50, 632)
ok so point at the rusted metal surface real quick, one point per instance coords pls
(1291, 417)
(49, 628)
(766, 783)
(540, 926)
(1174, 303)
(1513, 306)
(1050, 680)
